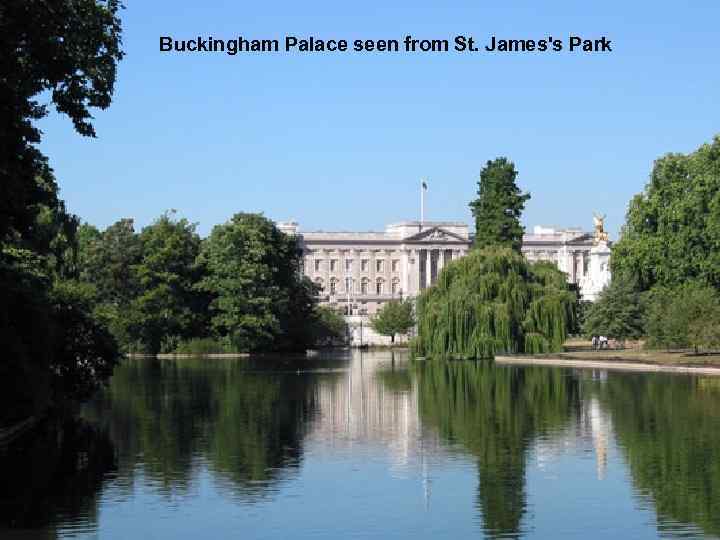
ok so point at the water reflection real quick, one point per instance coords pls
(55, 477)
(496, 413)
(510, 450)
(244, 419)
(669, 430)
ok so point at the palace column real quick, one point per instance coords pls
(428, 267)
(413, 273)
(355, 274)
(404, 272)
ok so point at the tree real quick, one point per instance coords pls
(168, 307)
(499, 205)
(259, 298)
(109, 262)
(672, 229)
(328, 326)
(494, 301)
(68, 49)
(617, 313)
(688, 315)
(395, 317)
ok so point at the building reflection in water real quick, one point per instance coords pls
(376, 402)
(590, 433)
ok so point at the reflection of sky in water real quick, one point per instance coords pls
(370, 465)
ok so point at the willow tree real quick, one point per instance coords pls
(494, 301)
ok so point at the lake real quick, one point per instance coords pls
(369, 445)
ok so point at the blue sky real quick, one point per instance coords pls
(341, 141)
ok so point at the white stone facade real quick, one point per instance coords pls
(575, 252)
(363, 270)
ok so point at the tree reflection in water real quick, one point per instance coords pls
(54, 474)
(669, 429)
(495, 413)
(245, 419)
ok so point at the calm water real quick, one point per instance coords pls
(367, 445)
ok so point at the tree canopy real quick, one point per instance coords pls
(672, 229)
(54, 349)
(394, 317)
(68, 49)
(498, 207)
(684, 316)
(259, 298)
(617, 313)
(494, 301)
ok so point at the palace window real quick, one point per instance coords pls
(395, 265)
(333, 265)
(318, 265)
(364, 284)
(379, 265)
(333, 286)
(349, 282)
(364, 265)
(395, 286)
(380, 286)
(348, 265)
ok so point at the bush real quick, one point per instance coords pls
(685, 316)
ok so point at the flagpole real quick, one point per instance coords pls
(422, 203)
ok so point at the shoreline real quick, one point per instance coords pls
(617, 365)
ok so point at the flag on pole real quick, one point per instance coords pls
(424, 185)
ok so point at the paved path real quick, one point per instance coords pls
(607, 364)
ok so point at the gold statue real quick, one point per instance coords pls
(600, 234)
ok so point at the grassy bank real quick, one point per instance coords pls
(634, 352)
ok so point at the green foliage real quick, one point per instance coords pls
(259, 298)
(394, 317)
(672, 230)
(85, 352)
(168, 307)
(54, 350)
(327, 326)
(499, 205)
(617, 313)
(688, 315)
(494, 301)
(204, 345)
(67, 49)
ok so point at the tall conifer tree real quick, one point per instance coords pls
(498, 207)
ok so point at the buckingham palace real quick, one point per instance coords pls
(358, 271)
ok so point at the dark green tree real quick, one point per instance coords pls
(168, 308)
(328, 326)
(684, 316)
(617, 313)
(394, 317)
(69, 50)
(259, 298)
(672, 230)
(499, 205)
(109, 262)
